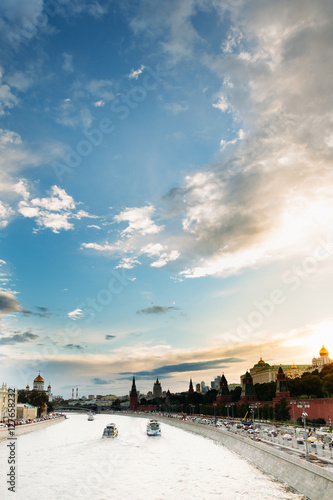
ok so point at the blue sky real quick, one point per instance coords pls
(165, 190)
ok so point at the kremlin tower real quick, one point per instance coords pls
(223, 395)
(133, 396)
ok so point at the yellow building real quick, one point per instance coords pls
(263, 372)
(26, 411)
(4, 403)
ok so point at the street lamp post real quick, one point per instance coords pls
(304, 415)
(232, 406)
(227, 407)
(252, 412)
(214, 404)
(293, 403)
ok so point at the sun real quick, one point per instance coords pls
(324, 335)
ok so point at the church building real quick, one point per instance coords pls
(38, 385)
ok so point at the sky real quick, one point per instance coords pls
(166, 186)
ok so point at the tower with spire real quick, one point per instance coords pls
(157, 389)
(223, 395)
(190, 389)
(133, 396)
(248, 391)
(281, 385)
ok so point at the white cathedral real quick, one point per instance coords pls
(323, 360)
(38, 385)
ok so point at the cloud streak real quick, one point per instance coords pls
(19, 338)
(156, 310)
(216, 364)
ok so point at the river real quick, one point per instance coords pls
(70, 461)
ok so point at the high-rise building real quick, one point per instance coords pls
(157, 389)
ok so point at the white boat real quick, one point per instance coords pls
(153, 428)
(110, 431)
(91, 417)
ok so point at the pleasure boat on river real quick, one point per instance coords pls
(153, 428)
(110, 431)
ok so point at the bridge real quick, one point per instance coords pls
(81, 408)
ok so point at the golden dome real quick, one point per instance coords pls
(323, 352)
(294, 367)
(39, 378)
(49, 387)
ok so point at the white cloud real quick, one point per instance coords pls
(128, 263)
(94, 226)
(59, 200)
(99, 104)
(76, 314)
(136, 73)
(8, 137)
(21, 188)
(222, 104)
(5, 213)
(175, 108)
(54, 212)
(7, 99)
(139, 221)
(137, 239)
(102, 89)
(19, 80)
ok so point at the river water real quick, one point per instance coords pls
(70, 461)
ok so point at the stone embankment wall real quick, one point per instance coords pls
(310, 480)
(36, 426)
(307, 479)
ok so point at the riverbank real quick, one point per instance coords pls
(305, 478)
(36, 426)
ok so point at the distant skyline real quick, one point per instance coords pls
(165, 190)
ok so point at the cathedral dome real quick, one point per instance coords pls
(261, 364)
(39, 378)
(323, 352)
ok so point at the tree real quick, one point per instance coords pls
(326, 370)
(236, 394)
(34, 398)
(265, 391)
(281, 410)
(115, 404)
(267, 412)
(312, 385)
(328, 384)
(22, 396)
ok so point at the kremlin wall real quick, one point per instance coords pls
(261, 373)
